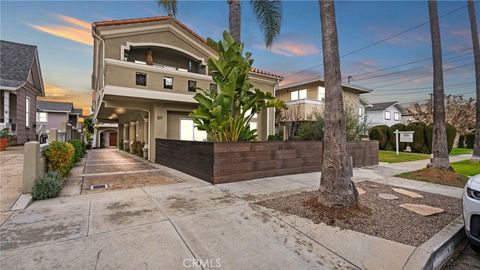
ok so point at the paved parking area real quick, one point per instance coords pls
(120, 170)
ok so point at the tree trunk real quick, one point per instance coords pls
(336, 186)
(234, 22)
(439, 139)
(476, 55)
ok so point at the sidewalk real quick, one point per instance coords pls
(168, 226)
(11, 168)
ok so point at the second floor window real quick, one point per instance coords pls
(27, 112)
(298, 94)
(360, 111)
(396, 116)
(192, 86)
(388, 115)
(321, 93)
(41, 117)
(141, 79)
(167, 82)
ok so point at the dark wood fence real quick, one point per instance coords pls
(229, 162)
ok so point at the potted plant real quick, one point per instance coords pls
(5, 137)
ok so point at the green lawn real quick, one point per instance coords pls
(466, 167)
(391, 156)
(460, 151)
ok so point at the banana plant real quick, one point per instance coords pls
(225, 113)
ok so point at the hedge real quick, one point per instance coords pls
(419, 144)
(380, 134)
(451, 133)
(48, 186)
(470, 140)
(391, 137)
(80, 149)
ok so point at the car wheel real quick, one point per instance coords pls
(475, 247)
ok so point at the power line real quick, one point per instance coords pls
(422, 100)
(425, 88)
(417, 92)
(380, 41)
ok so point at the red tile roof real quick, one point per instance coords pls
(186, 28)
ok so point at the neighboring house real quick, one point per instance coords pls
(386, 113)
(153, 100)
(306, 97)
(60, 115)
(20, 84)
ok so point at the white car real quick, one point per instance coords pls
(471, 211)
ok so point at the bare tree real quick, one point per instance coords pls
(440, 158)
(336, 186)
(476, 55)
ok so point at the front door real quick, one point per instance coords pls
(113, 139)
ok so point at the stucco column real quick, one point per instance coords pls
(132, 134)
(126, 142)
(145, 137)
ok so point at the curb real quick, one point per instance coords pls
(434, 253)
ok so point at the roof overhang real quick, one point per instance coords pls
(351, 87)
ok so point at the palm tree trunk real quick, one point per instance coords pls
(476, 55)
(234, 22)
(439, 139)
(336, 186)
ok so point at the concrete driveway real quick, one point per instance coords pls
(11, 167)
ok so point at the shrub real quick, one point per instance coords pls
(451, 133)
(137, 148)
(312, 130)
(120, 146)
(470, 140)
(380, 134)
(80, 149)
(419, 144)
(274, 138)
(48, 186)
(60, 157)
(391, 137)
(355, 127)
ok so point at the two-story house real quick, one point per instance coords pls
(60, 115)
(385, 113)
(20, 84)
(306, 97)
(145, 74)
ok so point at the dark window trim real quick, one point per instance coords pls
(137, 81)
(169, 86)
(192, 88)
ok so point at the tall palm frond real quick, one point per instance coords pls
(170, 6)
(269, 18)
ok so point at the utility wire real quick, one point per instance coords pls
(426, 88)
(381, 41)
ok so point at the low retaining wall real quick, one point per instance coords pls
(219, 162)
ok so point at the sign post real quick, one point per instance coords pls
(405, 136)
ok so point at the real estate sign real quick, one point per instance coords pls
(403, 136)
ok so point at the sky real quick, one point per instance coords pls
(399, 31)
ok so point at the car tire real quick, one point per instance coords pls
(475, 247)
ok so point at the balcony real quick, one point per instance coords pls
(303, 109)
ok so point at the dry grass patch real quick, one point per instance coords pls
(436, 176)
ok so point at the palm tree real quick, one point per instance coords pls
(267, 12)
(439, 138)
(336, 186)
(476, 55)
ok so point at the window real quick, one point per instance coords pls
(42, 117)
(27, 112)
(388, 115)
(396, 116)
(192, 86)
(360, 111)
(167, 82)
(213, 86)
(298, 94)
(141, 79)
(321, 93)
(189, 132)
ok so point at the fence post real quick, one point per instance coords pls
(31, 162)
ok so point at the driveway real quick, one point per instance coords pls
(11, 167)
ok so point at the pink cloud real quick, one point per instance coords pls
(70, 28)
(289, 48)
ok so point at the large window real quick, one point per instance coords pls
(27, 112)
(396, 116)
(141, 79)
(189, 132)
(167, 82)
(321, 93)
(388, 115)
(42, 117)
(298, 94)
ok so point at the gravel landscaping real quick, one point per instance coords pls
(375, 216)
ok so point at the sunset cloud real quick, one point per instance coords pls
(69, 28)
(289, 48)
(60, 94)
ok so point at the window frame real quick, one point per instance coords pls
(396, 116)
(360, 111)
(322, 98)
(137, 74)
(296, 94)
(389, 113)
(27, 112)
(164, 82)
(190, 87)
(39, 118)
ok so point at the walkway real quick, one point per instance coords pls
(11, 167)
(169, 226)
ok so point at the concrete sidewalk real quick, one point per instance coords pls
(11, 168)
(170, 226)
